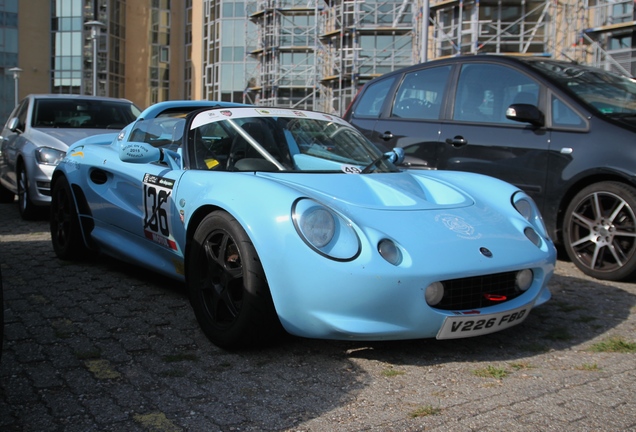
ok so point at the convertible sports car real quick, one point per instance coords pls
(281, 219)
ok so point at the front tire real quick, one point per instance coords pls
(227, 285)
(28, 210)
(599, 231)
(66, 231)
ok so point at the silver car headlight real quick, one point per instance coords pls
(324, 230)
(49, 156)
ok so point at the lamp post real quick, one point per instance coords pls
(95, 26)
(16, 78)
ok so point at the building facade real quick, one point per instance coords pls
(299, 54)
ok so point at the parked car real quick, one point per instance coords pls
(562, 132)
(37, 134)
(288, 219)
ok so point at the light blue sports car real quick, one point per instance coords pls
(281, 219)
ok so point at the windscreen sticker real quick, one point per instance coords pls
(156, 199)
(214, 115)
(350, 169)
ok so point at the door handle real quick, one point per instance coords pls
(457, 141)
(386, 136)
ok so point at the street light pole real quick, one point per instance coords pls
(95, 26)
(16, 78)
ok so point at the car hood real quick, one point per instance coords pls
(390, 191)
(61, 138)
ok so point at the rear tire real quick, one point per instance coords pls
(66, 231)
(227, 286)
(599, 231)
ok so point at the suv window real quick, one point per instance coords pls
(373, 98)
(484, 92)
(564, 116)
(420, 94)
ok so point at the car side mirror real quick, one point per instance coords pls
(139, 152)
(14, 124)
(395, 156)
(526, 113)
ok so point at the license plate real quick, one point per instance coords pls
(462, 326)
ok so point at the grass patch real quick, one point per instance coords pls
(491, 372)
(424, 411)
(614, 344)
(173, 358)
(392, 372)
(521, 366)
(591, 367)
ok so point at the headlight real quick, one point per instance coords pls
(324, 230)
(49, 156)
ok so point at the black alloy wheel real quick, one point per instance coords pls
(600, 231)
(227, 285)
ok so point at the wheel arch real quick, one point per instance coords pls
(83, 209)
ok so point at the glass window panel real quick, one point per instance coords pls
(227, 10)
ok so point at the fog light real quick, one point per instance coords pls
(524, 279)
(434, 293)
(390, 252)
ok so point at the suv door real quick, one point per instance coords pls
(411, 119)
(479, 138)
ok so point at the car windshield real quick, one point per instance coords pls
(609, 93)
(83, 113)
(258, 139)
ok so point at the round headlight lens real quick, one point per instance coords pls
(434, 293)
(324, 230)
(318, 226)
(524, 279)
(390, 252)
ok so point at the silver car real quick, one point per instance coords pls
(37, 134)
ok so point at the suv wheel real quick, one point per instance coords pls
(599, 230)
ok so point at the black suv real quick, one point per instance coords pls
(564, 133)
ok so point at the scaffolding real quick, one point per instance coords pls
(317, 53)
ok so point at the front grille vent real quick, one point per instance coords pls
(472, 292)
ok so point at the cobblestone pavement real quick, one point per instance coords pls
(96, 346)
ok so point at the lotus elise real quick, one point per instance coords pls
(283, 220)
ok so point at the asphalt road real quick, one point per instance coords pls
(100, 346)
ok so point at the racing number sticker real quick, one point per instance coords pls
(157, 191)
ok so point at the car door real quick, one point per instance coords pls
(412, 118)
(134, 201)
(10, 143)
(479, 138)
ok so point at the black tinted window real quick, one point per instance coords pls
(485, 91)
(420, 94)
(373, 97)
